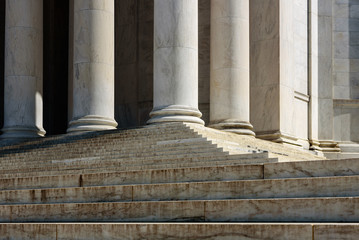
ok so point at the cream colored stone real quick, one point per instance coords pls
(93, 66)
(31, 14)
(175, 62)
(279, 71)
(103, 5)
(115, 211)
(23, 69)
(344, 231)
(229, 108)
(158, 231)
(94, 82)
(295, 209)
(345, 167)
(94, 37)
(250, 189)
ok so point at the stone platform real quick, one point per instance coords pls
(173, 181)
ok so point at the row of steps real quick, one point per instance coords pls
(198, 192)
(192, 231)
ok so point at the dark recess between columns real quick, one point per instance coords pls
(56, 41)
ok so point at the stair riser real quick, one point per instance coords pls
(345, 167)
(86, 150)
(133, 151)
(153, 154)
(119, 137)
(125, 168)
(135, 165)
(296, 188)
(161, 231)
(279, 210)
(98, 136)
(137, 177)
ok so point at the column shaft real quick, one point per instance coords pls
(23, 107)
(93, 66)
(229, 87)
(175, 62)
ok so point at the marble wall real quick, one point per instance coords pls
(279, 77)
(346, 73)
(320, 77)
(346, 49)
(300, 85)
(264, 65)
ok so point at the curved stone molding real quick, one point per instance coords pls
(92, 123)
(22, 132)
(234, 126)
(280, 137)
(329, 146)
(175, 113)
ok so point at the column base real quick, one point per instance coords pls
(234, 126)
(91, 123)
(175, 113)
(324, 146)
(278, 137)
(22, 132)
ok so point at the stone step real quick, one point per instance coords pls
(283, 152)
(90, 163)
(179, 231)
(104, 145)
(219, 173)
(200, 147)
(253, 210)
(343, 167)
(102, 135)
(218, 190)
(317, 168)
(130, 150)
(138, 131)
(173, 174)
(119, 159)
(116, 168)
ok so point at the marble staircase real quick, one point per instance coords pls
(173, 181)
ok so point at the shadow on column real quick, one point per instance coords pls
(2, 43)
(56, 35)
(353, 68)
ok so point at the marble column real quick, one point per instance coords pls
(229, 84)
(93, 66)
(175, 62)
(23, 69)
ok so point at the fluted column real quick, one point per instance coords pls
(175, 62)
(93, 66)
(23, 69)
(229, 97)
